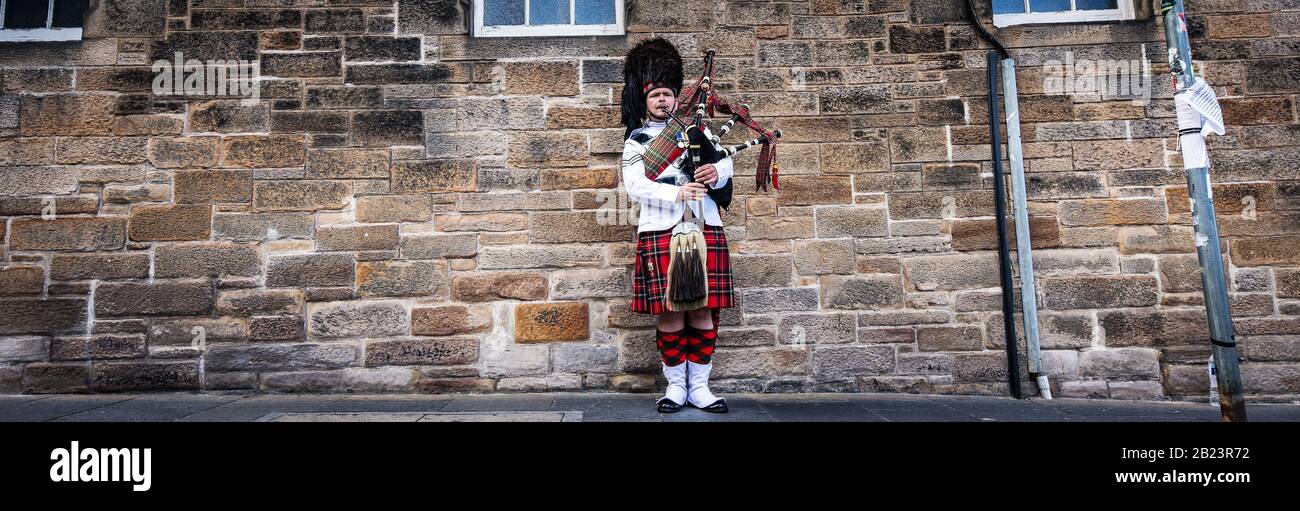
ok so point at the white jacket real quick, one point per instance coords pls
(659, 206)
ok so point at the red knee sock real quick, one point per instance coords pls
(672, 345)
(701, 343)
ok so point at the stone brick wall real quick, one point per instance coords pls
(409, 209)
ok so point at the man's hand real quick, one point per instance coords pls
(691, 191)
(707, 174)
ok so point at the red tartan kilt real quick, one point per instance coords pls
(650, 277)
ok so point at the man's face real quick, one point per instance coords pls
(659, 99)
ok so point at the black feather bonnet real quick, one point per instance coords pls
(650, 65)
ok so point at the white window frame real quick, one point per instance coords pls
(1124, 12)
(22, 35)
(526, 30)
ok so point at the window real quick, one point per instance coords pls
(512, 18)
(41, 20)
(1021, 12)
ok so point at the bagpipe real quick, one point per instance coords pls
(696, 141)
(687, 283)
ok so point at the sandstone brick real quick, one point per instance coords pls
(541, 78)
(211, 186)
(357, 319)
(171, 223)
(549, 256)
(493, 286)
(974, 367)
(1105, 212)
(906, 39)
(282, 357)
(347, 163)
(67, 114)
(403, 278)
(361, 238)
(492, 222)
(950, 338)
(1239, 25)
(817, 328)
(1228, 198)
(1158, 239)
(1059, 262)
(101, 150)
(1120, 363)
(248, 302)
(550, 322)
(310, 270)
(206, 260)
(779, 228)
(940, 204)
(394, 208)
(306, 195)
(67, 233)
(861, 291)
(575, 227)
(276, 328)
(189, 331)
(388, 127)
(157, 298)
(836, 222)
(1279, 251)
(439, 245)
(952, 176)
(1288, 282)
(819, 257)
(263, 151)
(565, 179)
(750, 271)
(422, 352)
(262, 226)
(55, 378)
(103, 266)
(848, 361)
(22, 280)
(38, 180)
(27, 151)
(527, 201)
(982, 234)
(434, 176)
(856, 157)
(145, 376)
(24, 349)
(1064, 185)
(1094, 292)
(591, 283)
(946, 273)
(42, 316)
(547, 149)
(1110, 154)
(1124, 328)
(562, 117)
(229, 116)
(760, 301)
(450, 320)
(806, 190)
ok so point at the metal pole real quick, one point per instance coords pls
(1223, 344)
(1020, 207)
(1000, 210)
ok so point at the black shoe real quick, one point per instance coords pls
(668, 406)
(719, 407)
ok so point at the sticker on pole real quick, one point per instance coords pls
(1204, 106)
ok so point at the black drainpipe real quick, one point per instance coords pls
(1000, 207)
